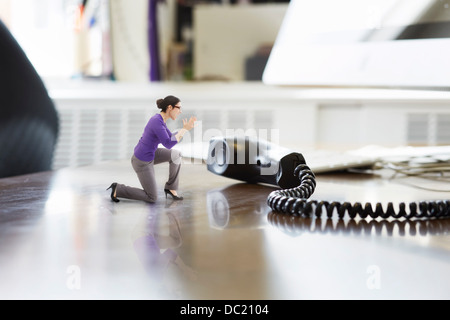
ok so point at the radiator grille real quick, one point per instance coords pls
(443, 129)
(428, 129)
(91, 136)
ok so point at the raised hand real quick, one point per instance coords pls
(188, 125)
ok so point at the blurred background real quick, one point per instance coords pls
(105, 62)
(119, 40)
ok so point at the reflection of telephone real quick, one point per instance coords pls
(255, 161)
(227, 210)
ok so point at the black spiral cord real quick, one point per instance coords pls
(295, 201)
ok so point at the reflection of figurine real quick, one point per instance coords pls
(154, 242)
(238, 205)
(295, 226)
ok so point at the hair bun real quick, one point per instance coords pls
(159, 103)
(167, 101)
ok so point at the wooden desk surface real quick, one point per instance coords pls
(61, 237)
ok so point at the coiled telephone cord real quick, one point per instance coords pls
(295, 201)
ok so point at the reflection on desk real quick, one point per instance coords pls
(155, 240)
(238, 206)
(61, 237)
(296, 226)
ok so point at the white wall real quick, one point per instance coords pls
(224, 36)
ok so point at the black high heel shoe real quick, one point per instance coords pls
(174, 197)
(113, 186)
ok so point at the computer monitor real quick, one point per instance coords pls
(363, 43)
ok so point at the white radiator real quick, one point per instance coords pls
(89, 136)
(428, 128)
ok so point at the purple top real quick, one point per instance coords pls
(155, 132)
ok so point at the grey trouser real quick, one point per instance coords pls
(146, 174)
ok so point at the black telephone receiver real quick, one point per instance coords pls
(258, 161)
(253, 160)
